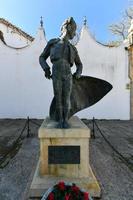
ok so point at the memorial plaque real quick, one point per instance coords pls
(63, 154)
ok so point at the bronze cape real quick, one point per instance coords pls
(86, 91)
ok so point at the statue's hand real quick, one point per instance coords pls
(48, 73)
(77, 75)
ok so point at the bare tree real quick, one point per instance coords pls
(121, 28)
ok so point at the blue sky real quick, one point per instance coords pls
(100, 14)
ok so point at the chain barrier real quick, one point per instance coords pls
(121, 157)
(13, 148)
(33, 122)
(17, 142)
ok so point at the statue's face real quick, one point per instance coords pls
(71, 31)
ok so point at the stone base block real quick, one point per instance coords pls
(41, 184)
(64, 155)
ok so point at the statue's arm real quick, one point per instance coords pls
(43, 57)
(78, 64)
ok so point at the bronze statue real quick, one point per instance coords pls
(72, 93)
(62, 55)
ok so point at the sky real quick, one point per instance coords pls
(99, 13)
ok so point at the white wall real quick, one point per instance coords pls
(22, 87)
(24, 91)
(110, 64)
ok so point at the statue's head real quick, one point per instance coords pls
(69, 27)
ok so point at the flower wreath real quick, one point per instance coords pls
(63, 191)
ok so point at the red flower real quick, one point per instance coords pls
(75, 189)
(67, 197)
(86, 196)
(51, 196)
(61, 186)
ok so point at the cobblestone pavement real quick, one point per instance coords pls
(114, 176)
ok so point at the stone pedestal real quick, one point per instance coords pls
(64, 155)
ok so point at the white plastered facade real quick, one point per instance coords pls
(24, 90)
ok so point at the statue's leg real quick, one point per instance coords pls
(57, 87)
(66, 93)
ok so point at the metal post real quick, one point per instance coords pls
(28, 127)
(93, 128)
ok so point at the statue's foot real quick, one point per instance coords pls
(66, 125)
(60, 124)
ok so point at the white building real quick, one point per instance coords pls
(24, 90)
